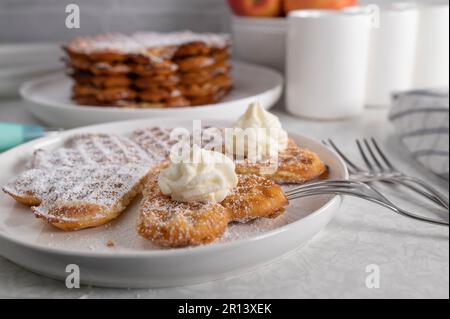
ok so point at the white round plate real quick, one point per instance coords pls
(52, 104)
(134, 261)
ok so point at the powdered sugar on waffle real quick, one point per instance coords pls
(97, 169)
(92, 149)
(247, 184)
(155, 141)
(97, 185)
(138, 43)
(91, 169)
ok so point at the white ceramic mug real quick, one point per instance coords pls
(326, 65)
(432, 63)
(392, 52)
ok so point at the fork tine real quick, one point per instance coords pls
(372, 154)
(381, 153)
(342, 155)
(363, 154)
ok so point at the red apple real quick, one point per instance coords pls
(289, 5)
(256, 8)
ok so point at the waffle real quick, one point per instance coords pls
(75, 198)
(198, 63)
(211, 87)
(294, 165)
(86, 183)
(255, 197)
(174, 224)
(149, 70)
(209, 99)
(205, 74)
(178, 101)
(93, 149)
(168, 82)
(144, 47)
(108, 95)
(157, 141)
(99, 68)
(101, 81)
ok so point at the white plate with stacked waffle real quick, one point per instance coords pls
(116, 77)
(50, 98)
(113, 254)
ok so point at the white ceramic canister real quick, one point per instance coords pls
(432, 62)
(326, 69)
(392, 52)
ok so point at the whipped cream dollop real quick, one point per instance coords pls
(257, 127)
(202, 175)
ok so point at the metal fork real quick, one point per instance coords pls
(381, 169)
(356, 189)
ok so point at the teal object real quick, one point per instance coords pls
(12, 134)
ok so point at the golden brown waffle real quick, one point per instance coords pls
(142, 47)
(211, 87)
(178, 101)
(101, 81)
(86, 183)
(99, 68)
(157, 141)
(167, 93)
(149, 70)
(206, 74)
(175, 224)
(200, 62)
(93, 149)
(209, 99)
(255, 197)
(81, 197)
(293, 165)
(108, 95)
(168, 82)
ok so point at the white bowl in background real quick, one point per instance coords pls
(260, 40)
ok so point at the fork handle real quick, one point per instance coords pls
(439, 196)
(374, 200)
(419, 190)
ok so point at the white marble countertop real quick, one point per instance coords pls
(413, 257)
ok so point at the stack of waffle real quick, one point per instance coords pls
(148, 70)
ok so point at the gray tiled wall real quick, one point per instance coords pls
(43, 20)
